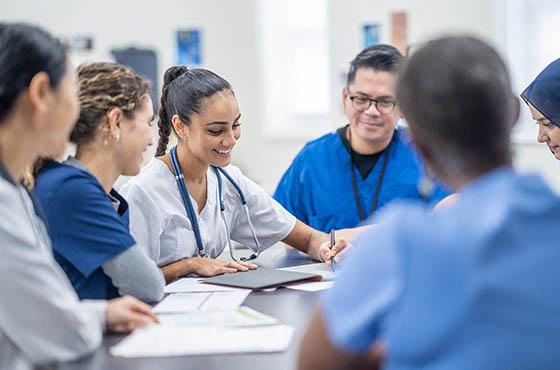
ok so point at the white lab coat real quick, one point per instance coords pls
(159, 222)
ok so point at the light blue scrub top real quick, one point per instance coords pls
(317, 187)
(472, 286)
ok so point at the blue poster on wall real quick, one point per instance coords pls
(371, 34)
(189, 47)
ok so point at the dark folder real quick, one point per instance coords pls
(261, 278)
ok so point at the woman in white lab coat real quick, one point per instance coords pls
(188, 203)
(41, 319)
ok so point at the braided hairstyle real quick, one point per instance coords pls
(184, 92)
(102, 87)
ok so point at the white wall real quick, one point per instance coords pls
(426, 19)
(229, 48)
(228, 36)
(531, 157)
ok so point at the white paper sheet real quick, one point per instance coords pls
(313, 268)
(312, 286)
(226, 300)
(190, 302)
(242, 316)
(194, 285)
(158, 341)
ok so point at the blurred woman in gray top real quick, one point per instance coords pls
(41, 319)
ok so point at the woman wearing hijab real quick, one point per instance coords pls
(543, 98)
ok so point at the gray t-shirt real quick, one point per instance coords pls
(41, 318)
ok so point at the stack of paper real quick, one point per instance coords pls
(211, 301)
(159, 340)
(242, 316)
(195, 285)
(201, 319)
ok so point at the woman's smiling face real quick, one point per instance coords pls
(212, 134)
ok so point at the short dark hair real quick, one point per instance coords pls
(455, 94)
(26, 50)
(379, 57)
(183, 93)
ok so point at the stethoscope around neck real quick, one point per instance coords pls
(191, 212)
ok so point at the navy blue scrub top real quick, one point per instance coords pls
(86, 229)
(317, 187)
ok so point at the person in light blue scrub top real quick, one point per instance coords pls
(474, 285)
(342, 178)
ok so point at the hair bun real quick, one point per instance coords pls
(173, 73)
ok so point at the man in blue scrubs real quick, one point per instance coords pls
(474, 285)
(340, 179)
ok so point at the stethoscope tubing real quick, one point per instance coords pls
(192, 215)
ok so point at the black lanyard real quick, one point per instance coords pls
(355, 181)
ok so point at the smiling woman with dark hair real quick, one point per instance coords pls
(188, 203)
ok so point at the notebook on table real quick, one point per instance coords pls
(261, 278)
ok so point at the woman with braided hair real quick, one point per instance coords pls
(88, 219)
(190, 202)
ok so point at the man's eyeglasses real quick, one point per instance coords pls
(383, 106)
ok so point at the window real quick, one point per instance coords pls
(294, 62)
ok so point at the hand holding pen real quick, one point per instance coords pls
(330, 251)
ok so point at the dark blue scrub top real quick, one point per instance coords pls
(86, 229)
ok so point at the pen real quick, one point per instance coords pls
(331, 247)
